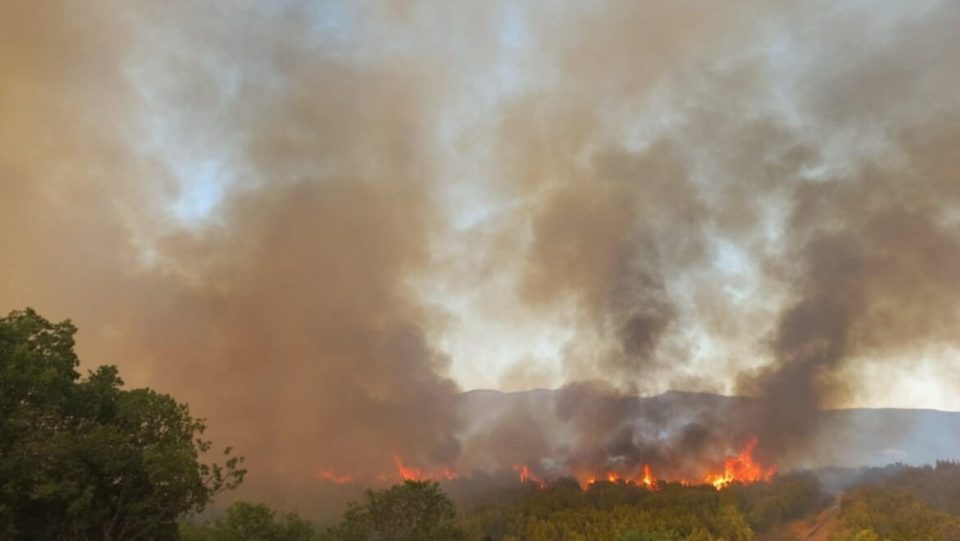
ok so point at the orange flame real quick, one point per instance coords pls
(736, 469)
(741, 468)
(645, 479)
(410, 473)
(407, 473)
(649, 480)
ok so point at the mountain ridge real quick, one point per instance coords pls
(843, 437)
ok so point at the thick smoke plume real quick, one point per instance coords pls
(286, 320)
(290, 216)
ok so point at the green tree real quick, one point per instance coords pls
(413, 511)
(893, 513)
(733, 527)
(866, 535)
(83, 458)
(250, 522)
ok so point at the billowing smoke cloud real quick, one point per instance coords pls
(287, 320)
(845, 214)
(880, 281)
(593, 240)
(874, 246)
(254, 208)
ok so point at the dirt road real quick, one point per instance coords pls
(822, 527)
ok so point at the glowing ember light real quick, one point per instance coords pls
(407, 473)
(527, 476)
(742, 469)
(333, 477)
(410, 473)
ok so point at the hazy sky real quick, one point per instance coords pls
(636, 192)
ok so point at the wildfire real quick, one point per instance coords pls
(410, 473)
(736, 469)
(741, 468)
(407, 473)
(645, 478)
(528, 476)
(333, 477)
(649, 480)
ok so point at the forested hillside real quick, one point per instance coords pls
(83, 458)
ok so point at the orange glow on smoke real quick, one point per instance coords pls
(447, 473)
(527, 476)
(741, 468)
(410, 473)
(407, 473)
(333, 477)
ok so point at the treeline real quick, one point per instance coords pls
(411, 511)
(895, 503)
(245, 521)
(82, 458)
(900, 502)
(561, 511)
(627, 512)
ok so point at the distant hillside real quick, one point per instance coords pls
(845, 437)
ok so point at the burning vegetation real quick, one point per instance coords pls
(330, 213)
(741, 468)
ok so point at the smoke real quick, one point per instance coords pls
(799, 167)
(675, 433)
(294, 217)
(591, 242)
(287, 320)
(874, 247)
(881, 282)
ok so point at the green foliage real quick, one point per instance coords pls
(82, 458)
(626, 512)
(787, 497)
(885, 513)
(938, 485)
(866, 535)
(412, 511)
(250, 522)
(902, 502)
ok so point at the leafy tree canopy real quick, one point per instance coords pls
(81, 457)
(413, 511)
(250, 522)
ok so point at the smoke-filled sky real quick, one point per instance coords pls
(317, 221)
